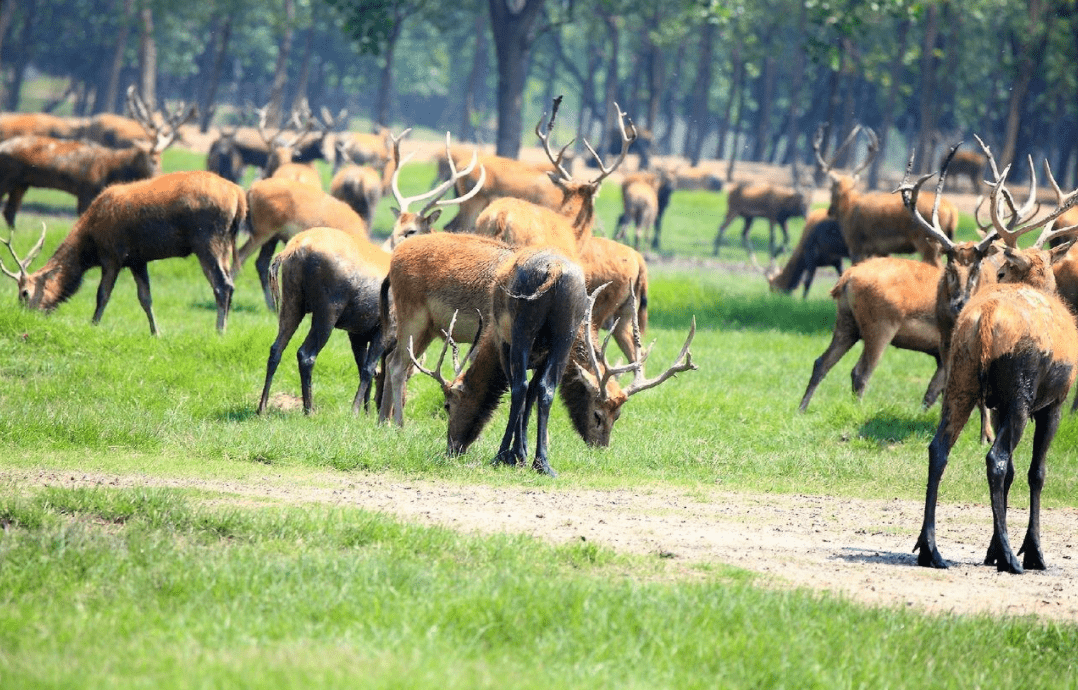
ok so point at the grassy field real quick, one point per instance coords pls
(190, 588)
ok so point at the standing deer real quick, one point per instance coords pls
(877, 223)
(776, 204)
(335, 278)
(1014, 349)
(129, 225)
(640, 202)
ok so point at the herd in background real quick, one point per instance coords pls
(521, 275)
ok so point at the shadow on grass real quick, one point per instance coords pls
(207, 305)
(854, 555)
(238, 413)
(892, 429)
(43, 209)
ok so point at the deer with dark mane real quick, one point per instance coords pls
(1014, 349)
(821, 244)
(129, 225)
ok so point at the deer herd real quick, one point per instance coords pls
(522, 274)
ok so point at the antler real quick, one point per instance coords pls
(682, 363)
(1014, 229)
(458, 366)
(545, 138)
(817, 143)
(436, 194)
(626, 141)
(23, 264)
(605, 372)
(165, 133)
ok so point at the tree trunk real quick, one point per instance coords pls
(304, 71)
(7, 13)
(737, 66)
(698, 127)
(655, 77)
(1029, 52)
(209, 98)
(739, 90)
(479, 62)
(280, 70)
(928, 89)
(763, 115)
(513, 24)
(797, 79)
(25, 53)
(610, 95)
(385, 79)
(670, 103)
(147, 56)
(892, 100)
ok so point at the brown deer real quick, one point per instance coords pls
(696, 178)
(129, 225)
(764, 200)
(281, 161)
(80, 168)
(280, 209)
(336, 279)
(224, 156)
(877, 223)
(1014, 349)
(640, 203)
(821, 244)
(968, 164)
(40, 124)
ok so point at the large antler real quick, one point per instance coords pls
(458, 366)
(1011, 231)
(626, 140)
(165, 133)
(825, 166)
(23, 264)
(436, 194)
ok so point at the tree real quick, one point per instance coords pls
(513, 24)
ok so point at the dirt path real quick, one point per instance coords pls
(859, 548)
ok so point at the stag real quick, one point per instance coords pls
(129, 225)
(281, 161)
(1015, 350)
(408, 224)
(877, 223)
(336, 279)
(81, 168)
(282, 208)
(821, 244)
(224, 156)
(776, 204)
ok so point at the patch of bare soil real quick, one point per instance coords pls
(860, 549)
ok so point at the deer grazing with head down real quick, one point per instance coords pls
(821, 244)
(335, 278)
(1014, 349)
(129, 225)
(81, 168)
(877, 223)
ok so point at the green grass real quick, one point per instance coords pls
(169, 588)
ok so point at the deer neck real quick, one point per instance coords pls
(60, 277)
(482, 387)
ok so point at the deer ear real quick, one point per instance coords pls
(555, 177)
(590, 382)
(434, 216)
(1017, 259)
(1058, 252)
(396, 212)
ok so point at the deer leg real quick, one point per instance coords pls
(14, 202)
(746, 241)
(722, 230)
(109, 274)
(619, 232)
(265, 256)
(515, 362)
(1000, 471)
(322, 321)
(956, 409)
(548, 384)
(288, 321)
(936, 384)
(367, 353)
(1047, 421)
(142, 283)
(398, 368)
(785, 239)
(845, 336)
(876, 342)
(213, 268)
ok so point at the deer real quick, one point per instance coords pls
(434, 276)
(876, 223)
(282, 208)
(968, 164)
(281, 162)
(224, 156)
(80, 168)
(662, 181)
(821, 244)
(407, 223)
(336, 279)
(1014, 349)
(129, 225)
(359, 186)
(589, 387)
(776, 204)
(40, 124)
(640, 203)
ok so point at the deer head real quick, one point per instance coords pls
(29, 289)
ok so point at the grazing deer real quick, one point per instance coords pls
(776, 204)
(876, 223)
(336, 279)
(408, 224)
(282, 208)
(80, 168)
(968, 164)
(129, 225)
(1014, 349)
(224, 156)
(821, 244)
(40, 124)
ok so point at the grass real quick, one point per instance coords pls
(180, 588)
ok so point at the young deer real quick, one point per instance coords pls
(1014, 349)
(335, 278)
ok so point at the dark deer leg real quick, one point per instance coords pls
(321, 327)
(221, 282)
(1047, 421)
(845, 336)
(1000, 470)
(265, 256)
(142, 283)
(14, 201)
(104, 291)
(287, 323)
